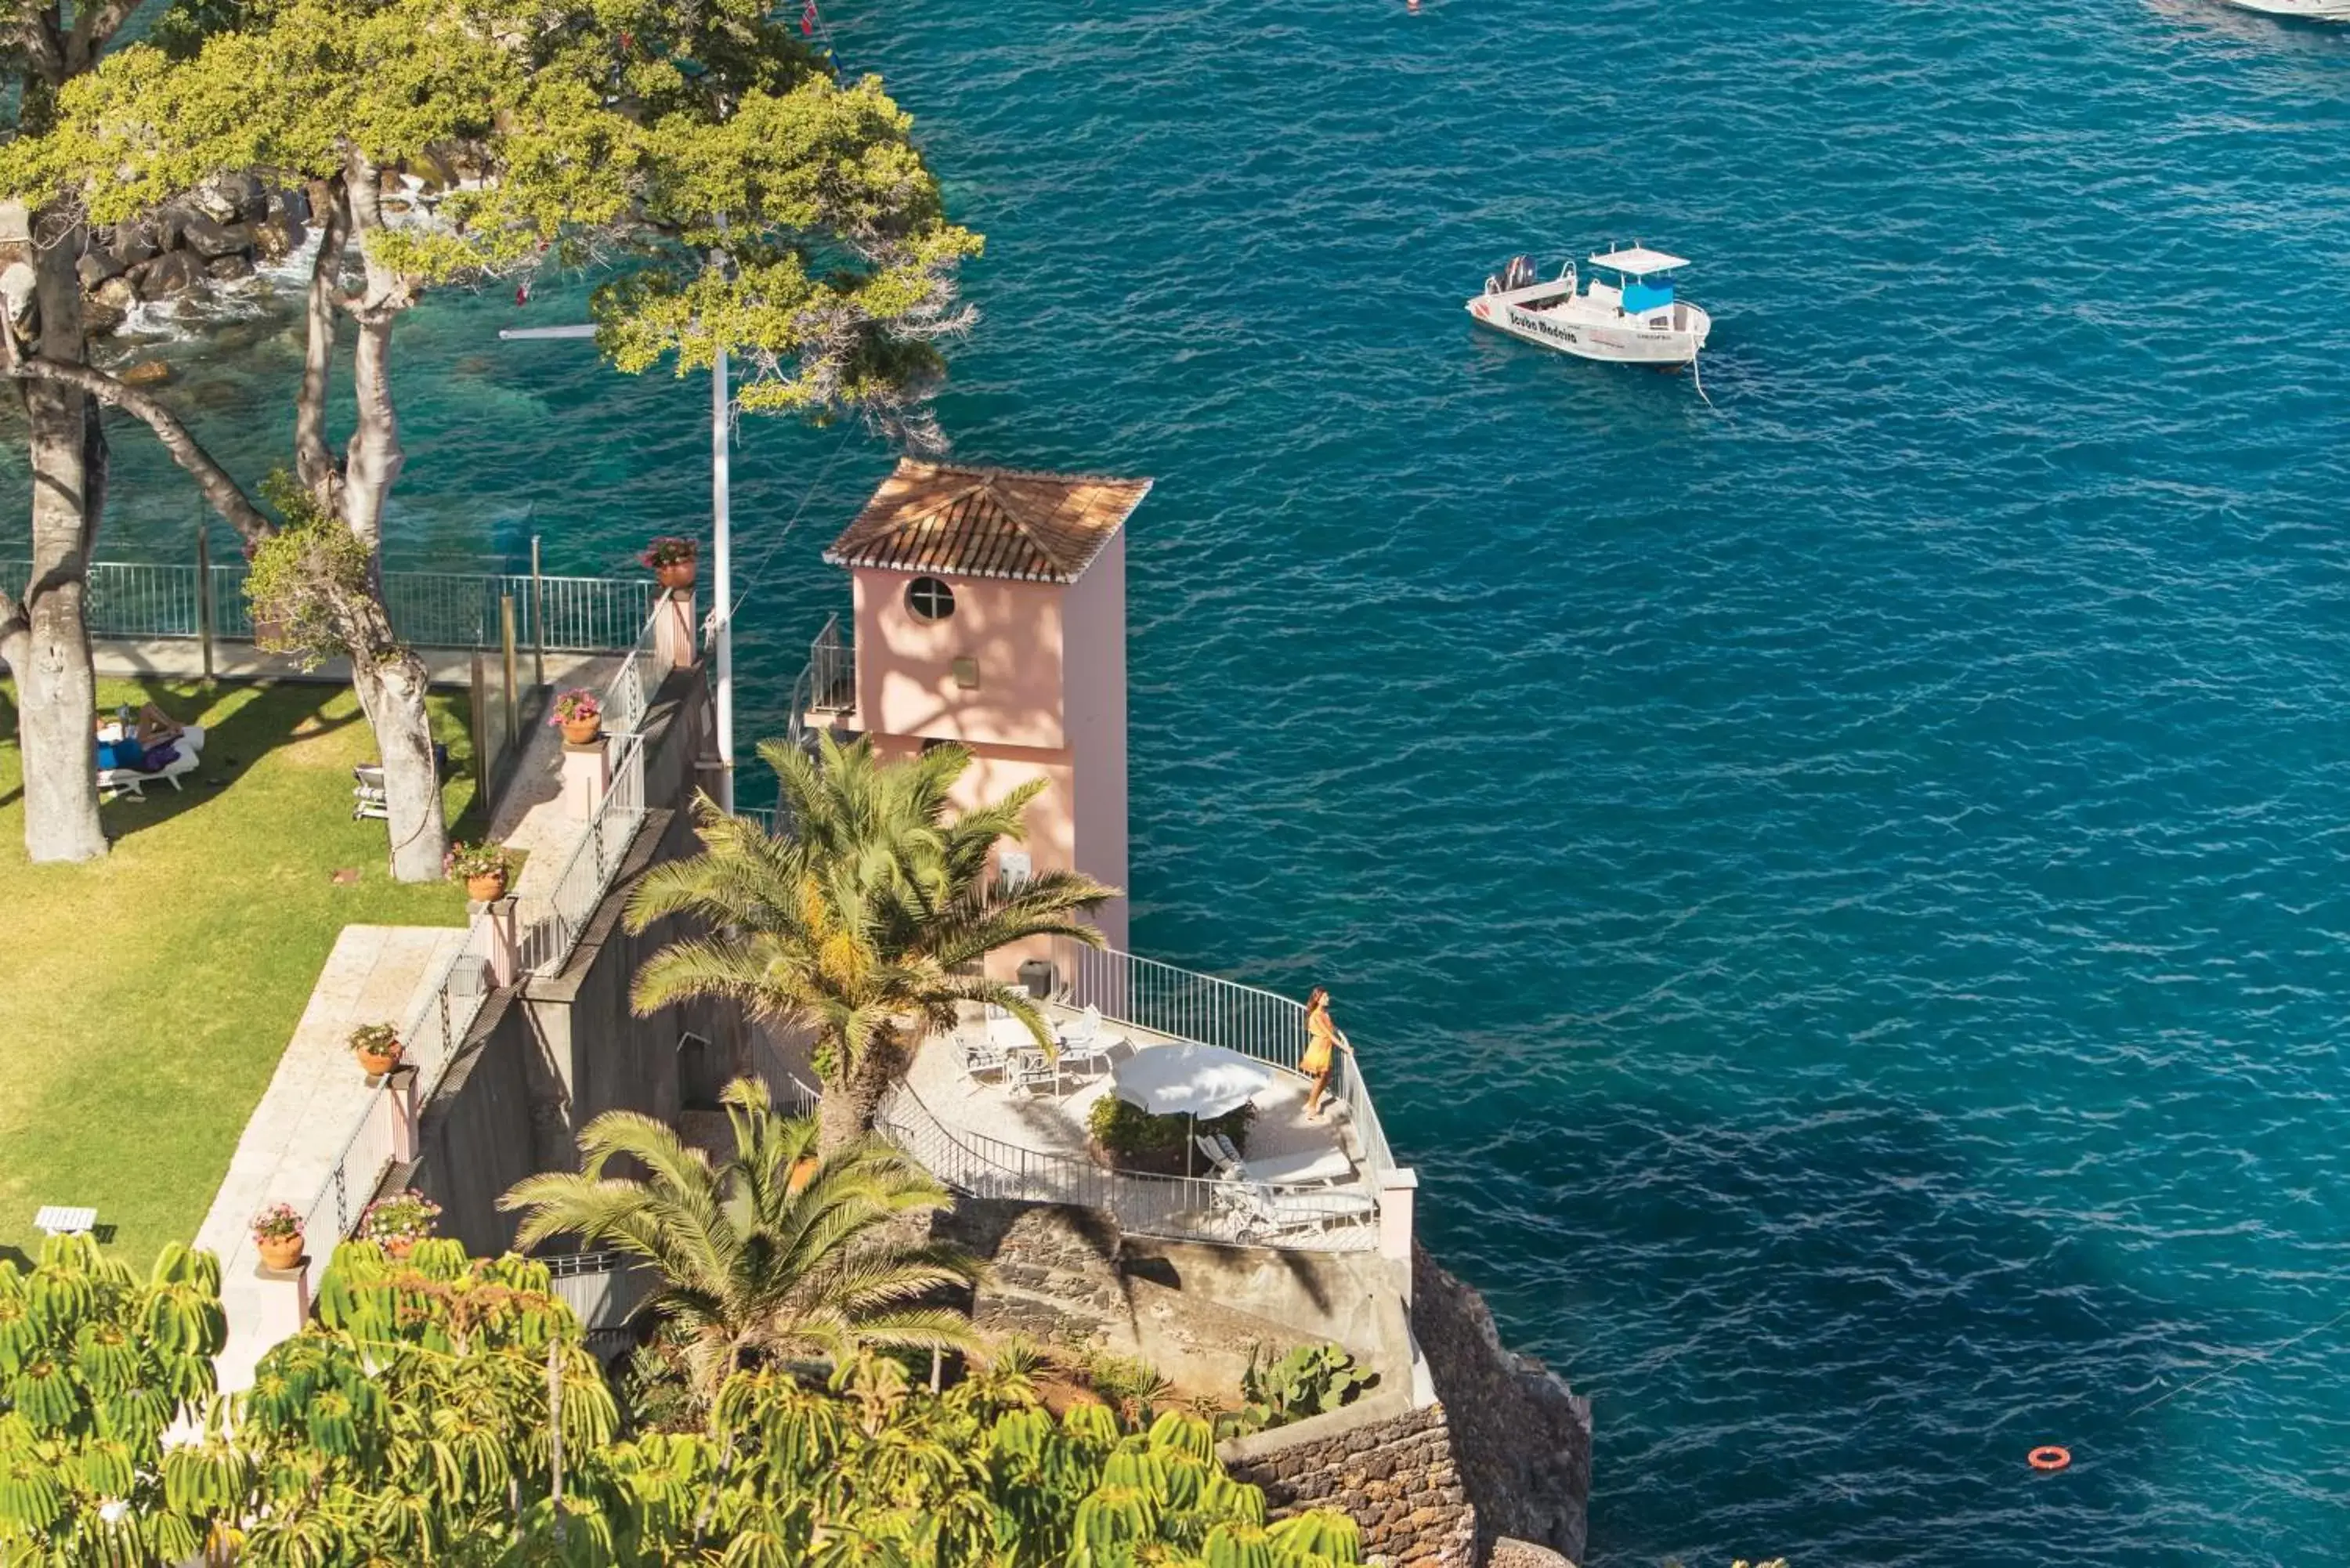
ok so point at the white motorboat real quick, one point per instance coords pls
(2311, 10)
(1626, 314)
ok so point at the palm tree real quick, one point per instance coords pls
(762, 1258)
(866, 916)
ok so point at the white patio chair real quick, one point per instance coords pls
(1218, 1154)
(1086, 1046)
(1028, 1071)
(1259, 1210)
(982, 1055)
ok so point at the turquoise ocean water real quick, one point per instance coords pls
(1841, 894)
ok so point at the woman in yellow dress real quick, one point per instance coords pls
(1322, 1037)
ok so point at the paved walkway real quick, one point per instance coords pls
(376, 974)
(532, 818)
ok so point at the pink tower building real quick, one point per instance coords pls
(990, 610)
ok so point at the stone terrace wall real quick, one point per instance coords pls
(1522, 1436)
(1388, 1465)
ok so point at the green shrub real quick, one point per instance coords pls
(1309, 1381)
(1127, 1132)
(300, 576)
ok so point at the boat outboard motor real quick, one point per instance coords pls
(1520, 273)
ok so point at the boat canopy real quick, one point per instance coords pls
(1637, 260)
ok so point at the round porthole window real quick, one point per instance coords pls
(929, 598)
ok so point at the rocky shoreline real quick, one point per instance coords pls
(220, 233)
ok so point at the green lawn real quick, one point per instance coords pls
(145, 998)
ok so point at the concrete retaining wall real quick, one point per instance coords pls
(547, 1056)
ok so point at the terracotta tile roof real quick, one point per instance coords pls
(987, 521)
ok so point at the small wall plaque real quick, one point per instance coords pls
(966, 674)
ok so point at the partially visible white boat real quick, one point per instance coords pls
(2310, 10)
(1625, 315)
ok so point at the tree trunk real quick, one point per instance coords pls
(391, 691)
(312, 464)
(849, 1108)
(389, 677)
(57, 690)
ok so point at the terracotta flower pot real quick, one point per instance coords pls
(486, 890)
(676, 575)
(280, 1251)
(583, 732)
(376, 1064)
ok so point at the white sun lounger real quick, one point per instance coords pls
(1318, 1167)
(185, 760)
(1259, 1210)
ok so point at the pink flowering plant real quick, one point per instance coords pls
(670, 551)
(404, 1218)
(276, 1222)
(464, 861)
(575, 705)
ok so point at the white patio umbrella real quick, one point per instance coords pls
(1189, 1080)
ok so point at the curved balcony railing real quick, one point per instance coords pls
(1185, 1005)
(1174, 1207)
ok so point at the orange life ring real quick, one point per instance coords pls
(2049, 1457)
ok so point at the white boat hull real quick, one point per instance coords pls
(1609, 335)
(2314, 10)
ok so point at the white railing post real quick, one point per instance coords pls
(586, 774)
(676, 636)
(400, 1113)
(284, 1297)
(505, 965)
(1396, 1192)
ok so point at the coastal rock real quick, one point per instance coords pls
(294, 202)
(95, 266)
(147, 373)
(173, 272)
(1511, 1552)
(16, 224)
(16, 284)
(135, 241)
(229, 267)
(211, 240)
(115, 298)
(169, 221)
(278, 233)
(230, 198)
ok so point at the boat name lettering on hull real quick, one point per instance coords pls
(1548, 329)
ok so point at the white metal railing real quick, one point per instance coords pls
(630, 695)
(430, 1037)
(1179, 1207)
(832, 671)
(428, 609)
(595, 862)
